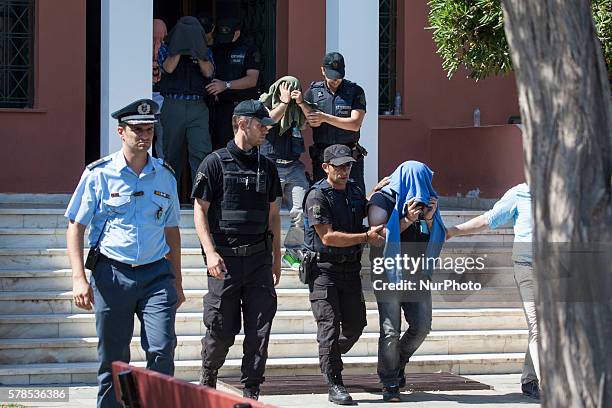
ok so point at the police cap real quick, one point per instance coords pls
(254, 109)
(333, 64)
(225, 29)
(338, 154)
(140, 111)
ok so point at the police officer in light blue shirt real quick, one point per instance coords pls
(130, 201)
(515, 207)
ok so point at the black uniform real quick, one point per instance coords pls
(348, 96)
(335, 289)
(231, 62)
(238, 221)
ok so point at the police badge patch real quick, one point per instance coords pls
(316, 211)
(199, 177)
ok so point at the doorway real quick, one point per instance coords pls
(258, 25)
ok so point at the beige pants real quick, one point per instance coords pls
(523, 276)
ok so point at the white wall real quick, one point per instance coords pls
(126, 55)
(352, 29)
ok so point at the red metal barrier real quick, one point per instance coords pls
(155, 390)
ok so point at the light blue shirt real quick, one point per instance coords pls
(138, 208)
(515, 206)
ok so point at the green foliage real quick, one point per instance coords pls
(471, 33)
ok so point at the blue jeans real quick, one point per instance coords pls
(121, 291)
(294, 185)
(393, 351)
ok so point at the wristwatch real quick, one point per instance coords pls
(228, 84)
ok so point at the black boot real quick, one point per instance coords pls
(337, 393)
(208, 377)
(251, 392)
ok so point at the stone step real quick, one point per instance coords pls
(16, 326)
(195, 278)
(56, 237)
(76, 350)
(20, 216)
(85, 373)
(493, 254)
(288, 299)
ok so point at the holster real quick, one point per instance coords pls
(305, 272)
(92, 258)
(359, 151)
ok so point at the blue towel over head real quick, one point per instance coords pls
(412, 179)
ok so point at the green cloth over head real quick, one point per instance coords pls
(293, 113)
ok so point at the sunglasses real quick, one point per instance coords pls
(344, 166)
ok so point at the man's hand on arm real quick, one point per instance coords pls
(473, 226)
(173, 238)
(171, 63)
(82, 292)
(339, 239)
(214, 262)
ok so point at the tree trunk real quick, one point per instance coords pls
(565, 105)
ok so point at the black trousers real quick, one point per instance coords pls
(221, 123)
(318, 173)
(339, 309)
(247, 286)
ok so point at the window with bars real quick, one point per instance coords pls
(387, 38)
(16, 53)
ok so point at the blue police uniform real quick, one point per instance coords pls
(127, 214)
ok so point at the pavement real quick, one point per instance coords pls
(506, 393)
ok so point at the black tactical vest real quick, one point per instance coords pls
(186, 79)
(340, 105)
(347, 216)
(244, 209)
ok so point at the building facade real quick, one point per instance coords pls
(73, 62)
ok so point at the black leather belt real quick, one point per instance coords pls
(123, 264)
(243, 250)
(336, 258)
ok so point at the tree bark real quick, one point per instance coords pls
(564, 97)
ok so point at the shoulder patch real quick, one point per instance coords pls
(168, 166)
(98, 162)
(316, 211)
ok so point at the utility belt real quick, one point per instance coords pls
(316, 151)
(102, 257)
(311, 258)
(246, 250)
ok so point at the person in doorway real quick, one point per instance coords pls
(238, 64)
(186, 70)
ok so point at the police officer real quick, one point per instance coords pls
(129, 200)
(237, 66)
(335, 110)
(238, 224)
(334, 231)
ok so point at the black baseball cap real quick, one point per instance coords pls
(137, 112)
(338, 154)
(333, 64)
(225, 29)
(254, 109)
